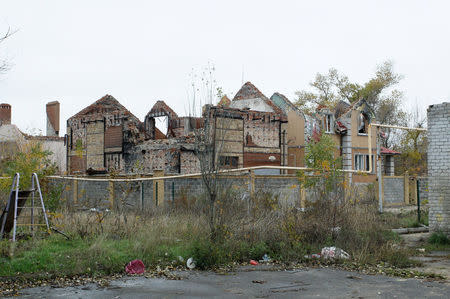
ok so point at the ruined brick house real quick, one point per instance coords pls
(347, 125)
(248, 131)
(97, 134)
(106, 137)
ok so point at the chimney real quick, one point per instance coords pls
(53, 118)
(5, 114)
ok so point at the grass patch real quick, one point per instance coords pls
(438, 241)
(103, 243)
(56, 255)
(439, 238)
(405, 220)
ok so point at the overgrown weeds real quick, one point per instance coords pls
(102, 242)
(406, 219)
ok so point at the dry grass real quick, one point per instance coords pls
(102, 242)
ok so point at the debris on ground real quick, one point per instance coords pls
(135, 267)
(265, 259)
(190, 263)
(253, 262)
(313, 256)
(334, 253)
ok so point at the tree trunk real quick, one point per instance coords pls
(212, 225)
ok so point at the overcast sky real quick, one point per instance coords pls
(142, 51)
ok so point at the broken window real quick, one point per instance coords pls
(228, 161)
(162, 123)
(363, 123)
(362, 162)
(328, 123)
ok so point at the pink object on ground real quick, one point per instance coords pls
(253, 262)
(135, 267)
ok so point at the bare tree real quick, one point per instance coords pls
(210, 140)
(4, 66)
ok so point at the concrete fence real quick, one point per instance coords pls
(401, 190)
(172, 191)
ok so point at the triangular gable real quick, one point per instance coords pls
(224, 102)
(161, 109)
(251, 95)
(105, 105)
(283, 103)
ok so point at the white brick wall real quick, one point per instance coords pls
(439, 167)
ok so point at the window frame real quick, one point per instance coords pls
(362, 162)
(363, 119)
(328, 123)
(229, 161)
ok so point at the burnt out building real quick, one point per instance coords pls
(259, 135)
(97, 134)
(249, 130)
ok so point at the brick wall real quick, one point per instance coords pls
(439, 166)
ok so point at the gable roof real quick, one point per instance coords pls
(360, 105)
(285, 104)
(224, 102)
(106, 104)
(249, 91)
(161, 108)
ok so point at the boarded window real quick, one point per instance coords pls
(77, 164)
(113, 137)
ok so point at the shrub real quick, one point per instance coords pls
(439, 238)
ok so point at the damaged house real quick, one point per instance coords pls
(348, 127)
(249, 130)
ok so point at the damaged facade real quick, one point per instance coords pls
(348, 127)
(249, 130)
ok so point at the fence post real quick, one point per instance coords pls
(141, 189)
(158, 188)
(406, 187)
(413, 193)
(75, 191)
(111, 194)
(302, 197)
(252, 182)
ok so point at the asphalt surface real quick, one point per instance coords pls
(305, 283)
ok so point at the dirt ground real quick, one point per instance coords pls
(437, 262)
